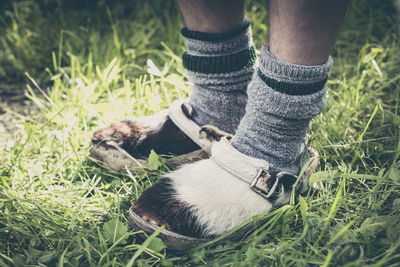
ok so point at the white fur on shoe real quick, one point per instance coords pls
(219, 200)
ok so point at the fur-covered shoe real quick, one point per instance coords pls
(207, 198)
(127, 144)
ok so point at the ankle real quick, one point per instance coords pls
(282, 100)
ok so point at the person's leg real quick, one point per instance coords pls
(219, 60)
(289, 87)
(303, 32)
(287, 90)
(212, 16)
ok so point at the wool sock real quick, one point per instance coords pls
(220, 66)
(282, 100)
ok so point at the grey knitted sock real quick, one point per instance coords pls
(220, 67)
(282, 100)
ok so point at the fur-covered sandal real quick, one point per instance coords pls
(127, 144)
(205, 199)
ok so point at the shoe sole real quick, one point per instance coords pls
(172, 240)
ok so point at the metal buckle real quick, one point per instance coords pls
(260, 184)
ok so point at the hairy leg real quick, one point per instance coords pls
(290, 85)
(303, 32)
(212, 16)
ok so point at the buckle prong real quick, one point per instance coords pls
(273, 187)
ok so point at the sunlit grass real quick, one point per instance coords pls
(85, 70)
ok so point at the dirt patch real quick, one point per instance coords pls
(14, 107)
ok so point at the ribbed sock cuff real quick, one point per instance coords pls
(269, 101)
(288, 90)
(220, 64)
(290, 78)
(215, 37)
(218, 53)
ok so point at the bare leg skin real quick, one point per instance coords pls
(212, 16)
(303, 32)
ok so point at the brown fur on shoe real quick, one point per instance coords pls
(139, 140)
(158, 206)
(212, 133)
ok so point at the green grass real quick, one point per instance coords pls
(86, 66)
